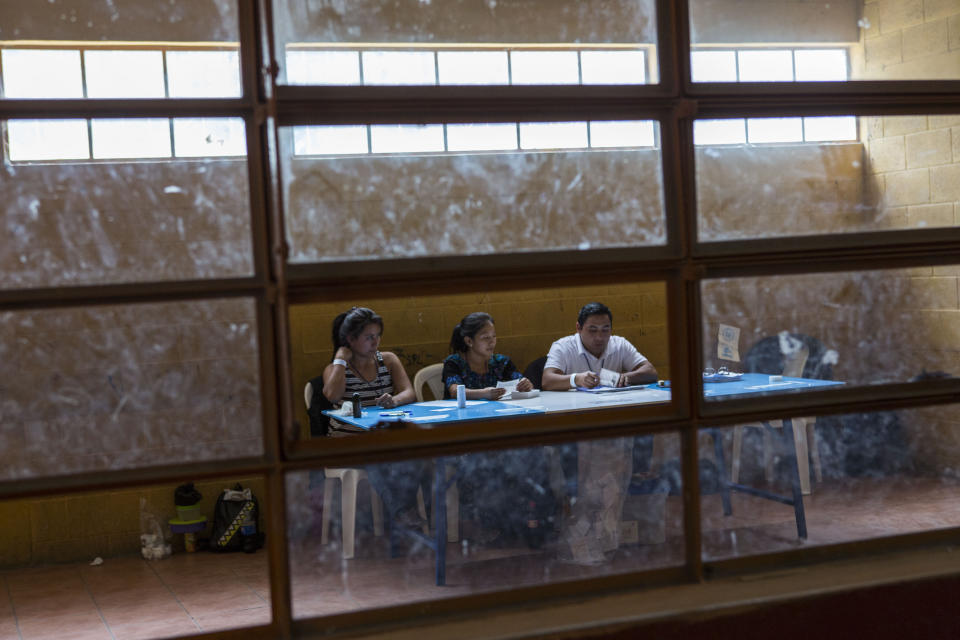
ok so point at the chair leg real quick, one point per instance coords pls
(737, 450)
(376, 505)
(814, 450)
(768, 457)
(328, 486)
(348, 509)
(453, 513)
(803, 460)
(422, 510)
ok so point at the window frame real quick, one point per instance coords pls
(682, 264)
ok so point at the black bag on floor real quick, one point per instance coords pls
(236, 518)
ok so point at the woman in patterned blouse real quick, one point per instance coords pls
(474, 363)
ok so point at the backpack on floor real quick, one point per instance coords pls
(236, 518)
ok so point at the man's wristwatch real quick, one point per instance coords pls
(573, 381)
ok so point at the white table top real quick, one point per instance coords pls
(571, 400)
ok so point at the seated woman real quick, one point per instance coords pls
(474, 362)
(360, 367)
(507, 492)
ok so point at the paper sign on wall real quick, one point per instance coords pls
(728, 343)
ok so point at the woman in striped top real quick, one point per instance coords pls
(360, 367)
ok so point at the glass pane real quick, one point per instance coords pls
(41, 73)
(854, 328)
(406, 138)
(199, 137)
(908, 40)
(75, 223)
(413, 205)
(473, 67)
(707, 132)
(821, 64)
(47, 140)
(714, 66)
(481, 137)
(106, 388)
(516, 517)
(622, 134)
(203, 74)
(53, 581)
(774, 130)
(855, 477)
(337, 140)
(866, 173)
(544, 39)
(765, 66)
(124, 74)
(398, 67)
(183, 21)
(323, 67)
(830, 128)
(130, 137)
(545, 67)
(526, 324)
(613, 67)
(553, 135)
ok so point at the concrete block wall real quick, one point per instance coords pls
(912, 178)
(107, 524)
(528, 321)
(908, 40)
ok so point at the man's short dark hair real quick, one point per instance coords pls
(593, 309)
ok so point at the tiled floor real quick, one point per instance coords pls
(189, 593)
(127, 598)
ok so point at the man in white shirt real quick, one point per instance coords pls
(604, 467)
(576, 361)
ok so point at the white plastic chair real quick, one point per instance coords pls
(430, 375)
(803, 433)
(349, 480)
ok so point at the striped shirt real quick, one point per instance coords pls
(369, 392)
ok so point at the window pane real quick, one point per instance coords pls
(130, 138)
(622, 134)
(827, 327)
(41, 73)
(765, 66)
(121, 387)
(416, 205)
(406, 138)
(553, 135)
(203, 74)
(860, 476)
(399, 67)
(481, 137)
(774, 129)
(323, 67)
(900, 172)
(473, 67)
(48, 140)
(830, 128)
(49, 582)
(73, 223)
(821, 64)
(714, 66)
(124, 74)
(719, 132)
(544, 67)
(346, 140)
(613, 67)
(866, 40)
(504, 524)
(456, 31)
(199, 137)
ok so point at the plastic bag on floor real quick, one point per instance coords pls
(153, 535)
